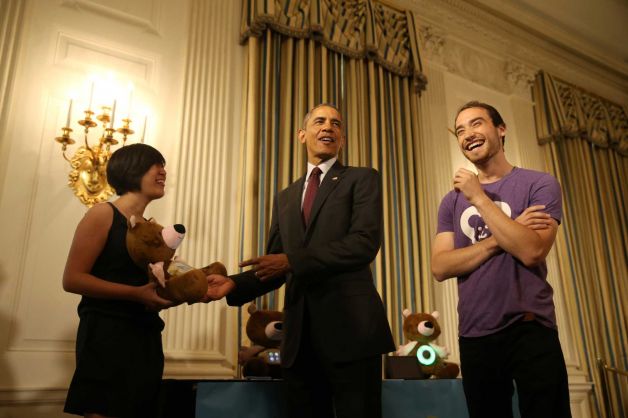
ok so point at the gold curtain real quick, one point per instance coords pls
(361, 56)
(586, 144)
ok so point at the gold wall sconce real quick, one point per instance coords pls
(88, 174)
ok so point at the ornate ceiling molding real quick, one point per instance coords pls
(433, 42)
(503, 74)
(520, 77)
(454, 31)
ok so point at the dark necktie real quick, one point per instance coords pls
(310, 194)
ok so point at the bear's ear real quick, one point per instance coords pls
(132, 221)
(152, 220)
(252, 309)
(435, 314)
(406, 313)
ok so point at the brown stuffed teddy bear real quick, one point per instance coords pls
(421, 329)
(151, 246)
(264, 329)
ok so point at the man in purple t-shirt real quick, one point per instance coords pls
(494, 232)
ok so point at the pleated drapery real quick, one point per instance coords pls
(586, 144)
(362, 56)
(356, 29)
(564, 111)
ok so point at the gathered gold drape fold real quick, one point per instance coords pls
(566, 111)
(586, 147)
(356, 29)
(361, 56)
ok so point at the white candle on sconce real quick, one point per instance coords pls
(144, 130)
(91, 96)
(113, 114)
(68, 120)
(130, 102)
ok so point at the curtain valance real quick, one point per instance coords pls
(566, 111)
(355, 28)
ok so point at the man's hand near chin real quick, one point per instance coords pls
(218, 286)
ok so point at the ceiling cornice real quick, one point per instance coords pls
(466, 22)
(546, 33)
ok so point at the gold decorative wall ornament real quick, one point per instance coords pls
(88, 177)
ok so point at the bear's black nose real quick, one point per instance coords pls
(278, 326)
(428, 324)
(179, 228)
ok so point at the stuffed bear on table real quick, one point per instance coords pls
(152, 247)
(265, 330)
(422, 329)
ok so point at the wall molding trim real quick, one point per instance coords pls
(34, 396)
(198, 370)
(149, 24)
(80, 53)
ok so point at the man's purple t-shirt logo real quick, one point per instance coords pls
(473, 225)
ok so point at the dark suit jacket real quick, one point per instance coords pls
(330, 277)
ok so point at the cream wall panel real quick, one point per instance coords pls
(199, 340)
(435, 121)
(40, 319)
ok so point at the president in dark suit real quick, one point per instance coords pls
(326, 230)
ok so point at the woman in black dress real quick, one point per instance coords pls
(119, 356)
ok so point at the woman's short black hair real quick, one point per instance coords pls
(128, 164)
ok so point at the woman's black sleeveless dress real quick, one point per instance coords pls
(119, 356)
